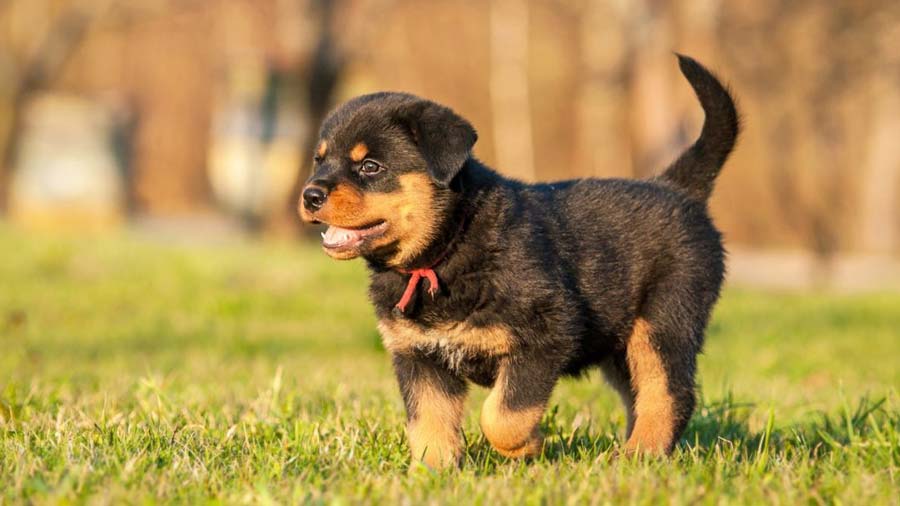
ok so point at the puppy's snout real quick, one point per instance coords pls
(314, 198)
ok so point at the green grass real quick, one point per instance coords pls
(140, 372)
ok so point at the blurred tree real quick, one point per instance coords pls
(509, 86)
(601, 144)
(880, 230)
(37, 38)
(320, 74)
(652, 119)
(815, 115)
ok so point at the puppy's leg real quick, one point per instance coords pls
(512, 411)
(661, 411)
(615, 370)
(434, 399)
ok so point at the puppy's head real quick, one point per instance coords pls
(383, 168)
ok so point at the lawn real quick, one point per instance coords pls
(136, 371)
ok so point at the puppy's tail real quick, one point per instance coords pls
(695, 171)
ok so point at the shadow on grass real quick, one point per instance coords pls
(721, 430)
(724, 427)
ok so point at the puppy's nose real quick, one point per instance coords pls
(314, 198)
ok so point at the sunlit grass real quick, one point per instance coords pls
(132, 370)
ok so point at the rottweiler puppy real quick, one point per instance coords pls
(478, 278)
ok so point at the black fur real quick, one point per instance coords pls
(569, 266)
(696, 169)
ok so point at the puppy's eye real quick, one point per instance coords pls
(369, 168)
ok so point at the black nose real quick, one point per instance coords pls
(314, 198)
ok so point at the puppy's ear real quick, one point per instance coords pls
(444, 138)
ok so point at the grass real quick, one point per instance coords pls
(133, 371)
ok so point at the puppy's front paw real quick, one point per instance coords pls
(433, 461)
(514, 434)
(435, 446)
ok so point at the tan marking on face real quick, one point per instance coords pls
(457, 341)
(407, 211)
(359, 151)
(322, 149)
(415, 225)
(344, 207)
(513, 433)
(435, 431)
(654, 405)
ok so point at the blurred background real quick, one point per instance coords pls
(196, 118)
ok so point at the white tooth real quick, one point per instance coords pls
(323, 234)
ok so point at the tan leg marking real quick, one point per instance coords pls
(513, 433)
(435, 432)
(359, 152)
(654, 404)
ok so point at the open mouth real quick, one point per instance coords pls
(342, 239)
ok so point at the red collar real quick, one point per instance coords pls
(416, 275)
(428, 273)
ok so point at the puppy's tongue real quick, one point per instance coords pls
(337, 236)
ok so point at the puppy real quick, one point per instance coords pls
(477, 278)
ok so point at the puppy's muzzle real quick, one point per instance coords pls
(314, 198)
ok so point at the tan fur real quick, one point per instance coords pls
(513, 433)
(654, 406)
(408, 212)
(435, 432)
(322, 149)
(416, 224)
(359, 152)
(457, 340)
(343, 206)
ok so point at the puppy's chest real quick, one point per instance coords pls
(458, 344)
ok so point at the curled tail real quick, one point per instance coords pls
(695, 171)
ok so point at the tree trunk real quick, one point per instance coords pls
(880, 186)
(510, 101)
(601, 140)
